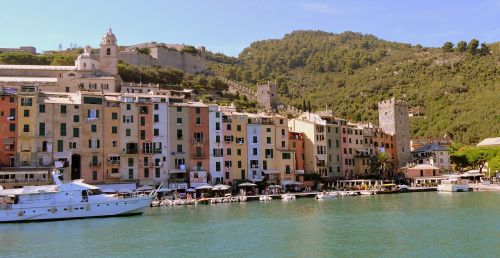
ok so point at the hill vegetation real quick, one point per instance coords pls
(453, 90)
(50, 58)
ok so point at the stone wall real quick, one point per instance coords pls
(394, 119)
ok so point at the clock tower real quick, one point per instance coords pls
(108, 56)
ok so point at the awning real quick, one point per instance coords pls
(204, 187)
(177, 171)
(216, 174)
(162, 190)
(290, 182)
(271, 171)
(8, 141)
(145, 188)
(299, 172)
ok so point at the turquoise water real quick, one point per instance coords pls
(402, 225)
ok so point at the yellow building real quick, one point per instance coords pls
(26, 126)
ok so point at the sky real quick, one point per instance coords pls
(228, 26)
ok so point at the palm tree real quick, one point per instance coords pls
(381, 164)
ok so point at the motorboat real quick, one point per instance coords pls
(288, 197)
(67, 201)
(454, 184)
(366, 192)
(265, 198)
(325, 196)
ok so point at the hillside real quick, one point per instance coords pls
(454, 93)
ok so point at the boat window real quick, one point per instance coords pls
(95, 192)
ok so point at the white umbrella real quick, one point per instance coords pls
(247, 184)
(204, 187)
(275, 186)
(221, 187)
(190, 190)
(161, 190)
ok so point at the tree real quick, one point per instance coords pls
(461, 46)
(447, 46)
(459, 159)
(472, 46)
(304, 106)
(484, 50)
(309, 106)
(494, 165)
(381, 164)
(478, 156)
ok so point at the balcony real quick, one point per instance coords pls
(130, 151)
(198, 140)
(226, 119)
(113, 162)
(197, 168)
(94, 164)
(199, 155)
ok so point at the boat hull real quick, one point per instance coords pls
(116, 207)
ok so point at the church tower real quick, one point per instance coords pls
(393, 119)
(108, 57)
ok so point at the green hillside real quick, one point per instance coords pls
(449, 91)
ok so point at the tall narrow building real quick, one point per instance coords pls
(393, 119)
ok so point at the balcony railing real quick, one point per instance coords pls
(199, 155)
(113, 162)
(198, 140)
(130, 151)
(95, 164)
(197, 168)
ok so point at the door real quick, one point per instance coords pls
(75, 167)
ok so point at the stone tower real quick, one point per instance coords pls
(393, 119)
(108, 56)
(267, 96)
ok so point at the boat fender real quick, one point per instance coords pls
(53, 209)
(20, 213)
(87, 206)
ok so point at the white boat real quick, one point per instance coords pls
(366, 192)
(265, 198)
(288, 197)
(326, 196)
(454, 184)
(67, 201)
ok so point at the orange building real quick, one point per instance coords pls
(145, 109)
(199, 145)
(296, 144)
(383, 142)
(8, 125)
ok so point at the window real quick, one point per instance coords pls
(12, 127)
(60, 144)
(239, 163)
(143, 135)
(26, 102)
(217, 166)
(76, 118)
(268, 140)
(286, 155)
(287, 169)
(114, 129)
(94, 175)
(41, 108)
(228, 127)
(254, 151)
(156, 107)
(108, 51)
(12, 112)
(63, 109)
(283, 132)
(238, 152)
(254, 139)
(217, 126)
(238, 128)
(156, 118)
(228, 151)
(179, 120)
(76, 132)
(92, 114)
(268, 129)
(217, 114)
(179, 134)
(26, 113)
(143, 121)
(127, 132)
(128, 107)
(179, 148)
(197, 110)
(156, 132)
(93, 128)
(144, 110)
(157, 172)
(114, 116)
(146, 172)
(130, 173)
(179, 109)
(217, 138)
(41, 129)
(130, 162)
(198, 121)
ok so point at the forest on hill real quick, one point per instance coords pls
(453, 90)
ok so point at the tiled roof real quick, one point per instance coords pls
(431, 147)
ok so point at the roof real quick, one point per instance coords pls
(28, 79)
(495, 141)
(37, 67)
(431, 147)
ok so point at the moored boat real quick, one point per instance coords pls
(265, 198)
(454, 184)
(67, 201)
(326, 196)
(288, 197)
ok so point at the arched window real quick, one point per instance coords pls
(108, 51)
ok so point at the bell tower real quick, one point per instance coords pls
(108, 56)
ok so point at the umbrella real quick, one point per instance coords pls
(275, 186)
(247, 184)
(161, 190)
(190, 190)
(221, 187)
(145, 188)
(204, 187)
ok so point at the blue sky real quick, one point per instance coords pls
(228, 26)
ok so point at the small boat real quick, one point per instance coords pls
(454, 184)
(326, 196)
(68, 201)
(389, 189)
(242, 199)
(288, 197)
(366, 192)
(204, 201)
(265, 198)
